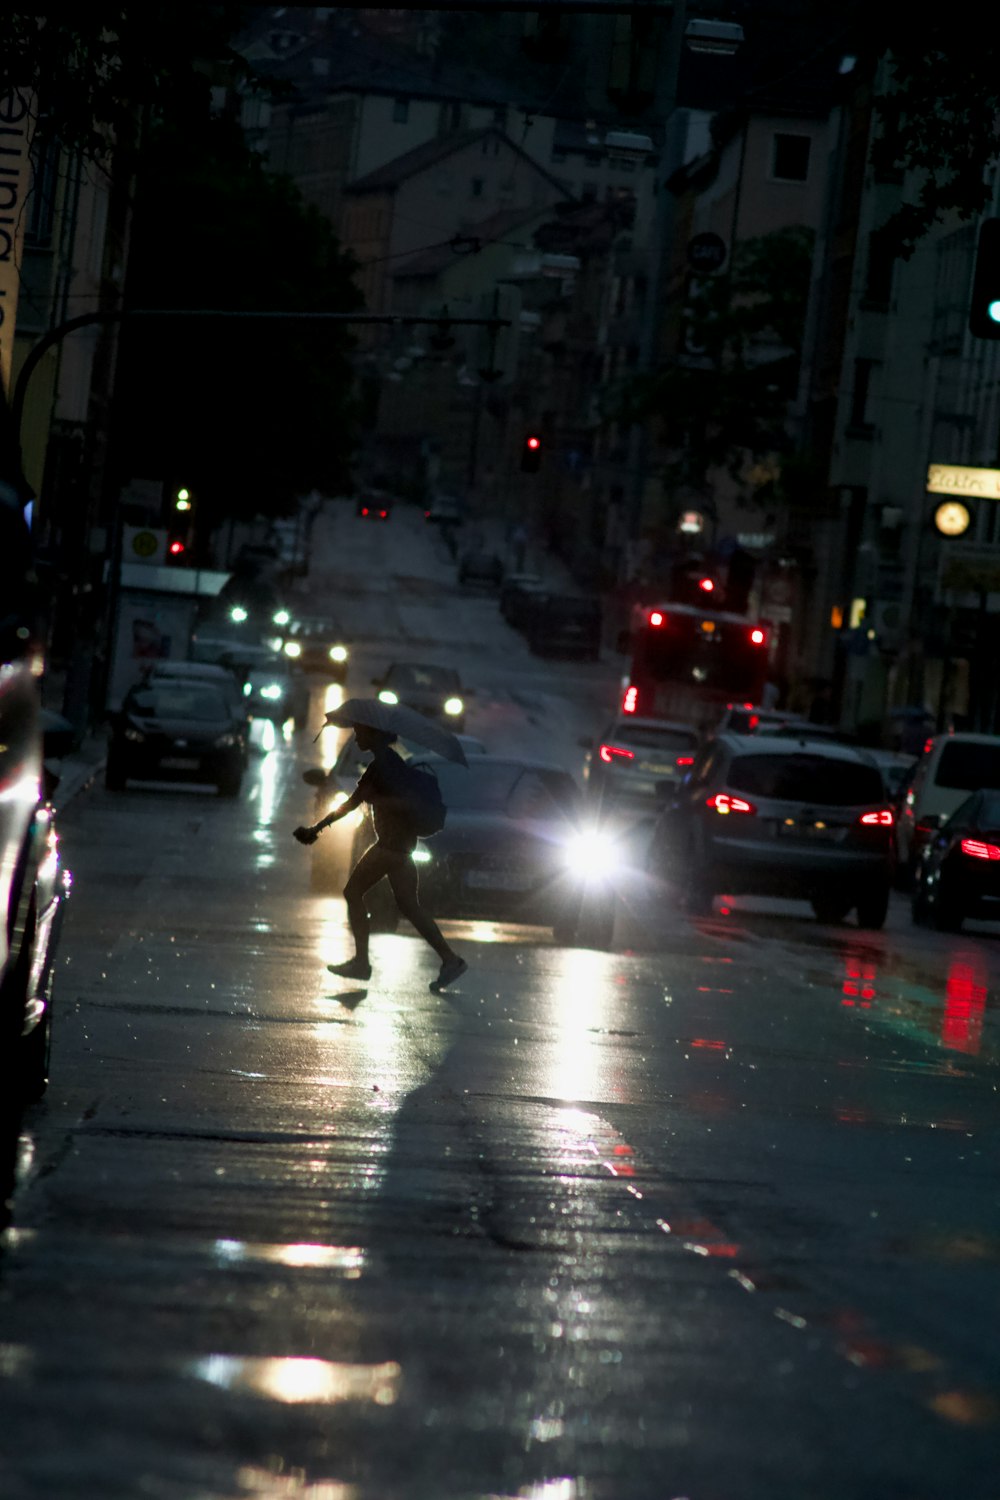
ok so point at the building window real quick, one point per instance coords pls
(790, 158)
(477, 187)
(858, 420)
(400, 111)
(878, 280)
(42, 198)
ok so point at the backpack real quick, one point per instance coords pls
(425, 805)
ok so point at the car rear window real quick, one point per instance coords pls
(806, 778)
(654, 739)
(967, 767)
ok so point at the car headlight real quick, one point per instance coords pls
(453, 706)
(592, 855)
(293, 648)
(421, 856)
(388, 696)
(272, 690)
(247, 690)
(238, 614)
(281, 618)
(225, 741)
(338, 653)
(135, 735)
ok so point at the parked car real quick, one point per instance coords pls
(632, 758)
(445, 511)
(276, 689)
(37, 888)
(516, 846)
(565, 623)
(483, 568)
(169, 728)
(952, 766)
(958, 873)
(316, 643)
(436, 692)
(761, 816)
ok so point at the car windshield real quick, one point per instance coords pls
(966, 767)
(423, 679)
(806, 778)
(316, 629)
(653, 738)
(177, 700)
(505, 786)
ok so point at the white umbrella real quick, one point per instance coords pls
(393, 718)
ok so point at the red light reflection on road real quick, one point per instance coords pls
(964, 1004)
(858, 987)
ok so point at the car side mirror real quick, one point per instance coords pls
(929, 823)
(314, 777)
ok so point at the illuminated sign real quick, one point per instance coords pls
(959, 479)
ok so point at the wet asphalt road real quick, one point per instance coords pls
(714, 1215)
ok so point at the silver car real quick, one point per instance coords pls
(632, 758)
(765, 816)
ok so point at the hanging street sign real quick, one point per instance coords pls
(961, 479)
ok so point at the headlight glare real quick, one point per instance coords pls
(388, 696)
(293, 648)
(592, 855)
(338, 653)
(272, 691)
(281, 618)
(453, 706)
(421, 856)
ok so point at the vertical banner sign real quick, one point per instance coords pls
(17, 121)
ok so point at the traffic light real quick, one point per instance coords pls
(984, 313)
(176, 550)
(531, 454)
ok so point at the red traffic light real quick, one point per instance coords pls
(707, 585)
(757, 637)
(531, 454)
(534, 442)
(176, 548)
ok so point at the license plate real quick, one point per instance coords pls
(180, 762)
(653, 770)
(497, 880)
(821, 834)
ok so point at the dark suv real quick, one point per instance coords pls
(775, 817)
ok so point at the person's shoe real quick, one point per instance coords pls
(354, 968)
(451, 969)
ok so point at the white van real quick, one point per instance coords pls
(950, 769)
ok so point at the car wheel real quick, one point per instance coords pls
(830, 909)
(114, 774)
(873, 907)
(699, 896)
(230, 785)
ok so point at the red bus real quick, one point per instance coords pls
(688, 663)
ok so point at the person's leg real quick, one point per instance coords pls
(368, 871)
(403, 879)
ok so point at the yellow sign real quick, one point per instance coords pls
(952, 518)
(959, 479)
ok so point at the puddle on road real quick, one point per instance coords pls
(300, 1381)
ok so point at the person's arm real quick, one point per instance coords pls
(341, 811)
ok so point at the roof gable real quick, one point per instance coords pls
(392, 174)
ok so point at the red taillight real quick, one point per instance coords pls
(685, 760)
(757, 637)
(609, 752)
(881, 819)
(383, 514)
(364, 510)
(976, 849)
(722, 802)
(706, 585)
(928, 746)
(656, 618)
(427, 515)
(753, 721)
(630, 702)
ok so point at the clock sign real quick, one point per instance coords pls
(952, 518)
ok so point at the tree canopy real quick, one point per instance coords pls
(247, 413)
